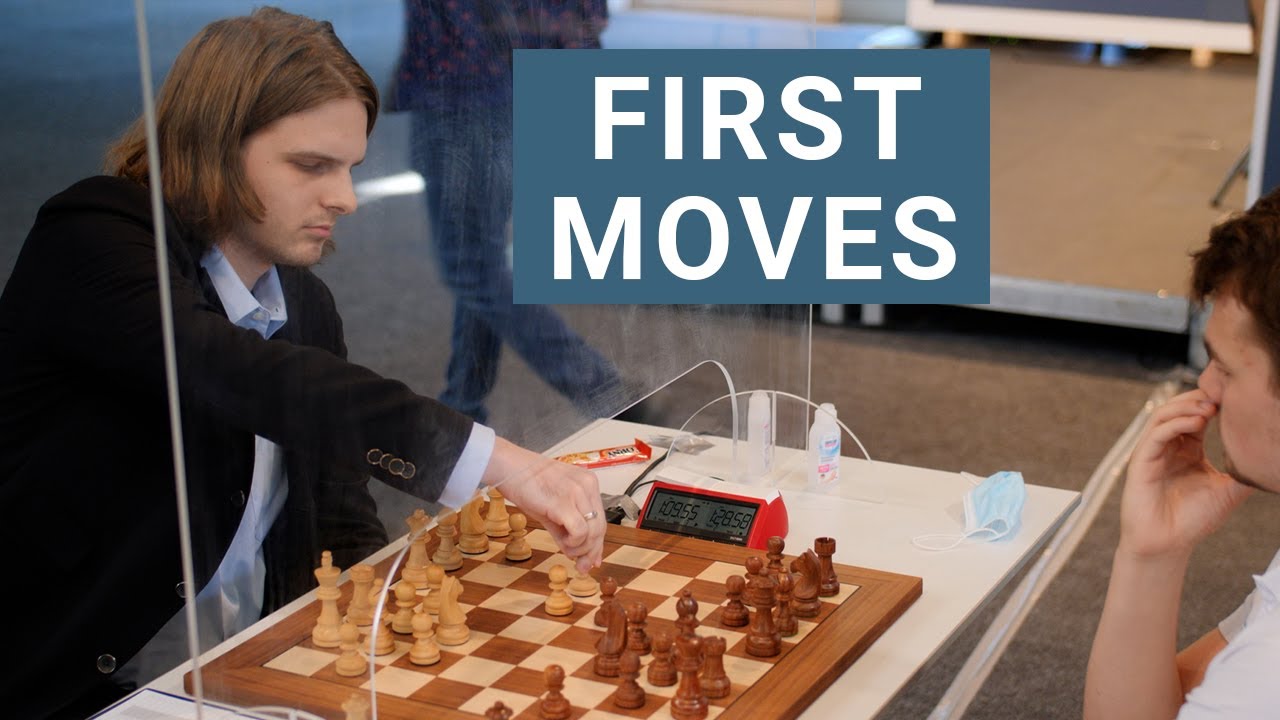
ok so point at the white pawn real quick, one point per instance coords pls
(447, 555)
(325, 632)
(518, 548)
(453, 622)
(497, 524)
(583, 585)
(352, 663)
(424, 650)
(435, 576)
(406, 598)
(558, 602)
(383, 642)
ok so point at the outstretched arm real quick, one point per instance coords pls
(1173, 498)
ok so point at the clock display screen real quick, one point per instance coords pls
(701, 516)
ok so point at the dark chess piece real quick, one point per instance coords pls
(637, 638)
(554, 706)
(687, 614)
(715, 683)
(785, 621)
(498, 712)
(775, 545)
(629, 693)
(608, 588)
(610, 646)
(828, 583)
(734, 613)
(689, 702)
(762, 637)
(662, 671)
(804, 598)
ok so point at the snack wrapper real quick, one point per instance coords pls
(621, 455)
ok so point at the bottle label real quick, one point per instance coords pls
(828, 459)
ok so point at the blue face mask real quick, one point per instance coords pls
(992, 510)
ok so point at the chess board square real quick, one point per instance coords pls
(731, 635)
(804, 628)
(706, 592)
(301, 660)
(534, 630)
(566, 658)
(397, 682)
(447, 659)
(658, 691)
(446, 692)
(652, 704)
(475, 641)
(488, 696)
(743, 670)
(493, 548)
(556, 559)
(658, 583)
(627, 596)
(666, 610)
(402, 649)
(523, 680)
(622, 574)
(578, 638)
(494, 574)
(476, 670)
(583, 692)
(506, 649)
(535, 558)
(516, 602)
(633, 556)
(718, 572)
(685, 565)
(474, 593)
(540, 539)
(534, 582)
(846, 590)
(488, 620)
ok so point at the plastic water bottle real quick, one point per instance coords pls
(759, 436)
(824, 448)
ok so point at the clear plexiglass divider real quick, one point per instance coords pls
(334, 284)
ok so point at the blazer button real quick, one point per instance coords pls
(396, 467)
(106, 663)
(385, 462)
(238, 498)
(181, 589)
(373, 456)
(409, 471)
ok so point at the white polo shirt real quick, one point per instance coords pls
(1242, 681)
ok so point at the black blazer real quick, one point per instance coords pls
(87, 500)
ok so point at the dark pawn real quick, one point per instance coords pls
(662, 671)
(689, 703)
(828, 583)
(554, 706)
(804, 597)
(629, 693)
(637, 638)
(734, 614)
(715, 683)
(785, 621)
(687, 614)
(775, 545)
(498, 712)
(608, 588)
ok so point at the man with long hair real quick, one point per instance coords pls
(259, 123)
(1174, 498)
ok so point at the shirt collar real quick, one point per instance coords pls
(262, 309)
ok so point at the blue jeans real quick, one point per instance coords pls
(463, 150)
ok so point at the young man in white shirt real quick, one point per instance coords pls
(1174, 498)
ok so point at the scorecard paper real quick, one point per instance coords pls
(752, 176)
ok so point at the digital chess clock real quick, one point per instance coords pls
(735, 514)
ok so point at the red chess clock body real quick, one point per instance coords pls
(741, 516)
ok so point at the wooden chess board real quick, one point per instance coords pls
(513, 639)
